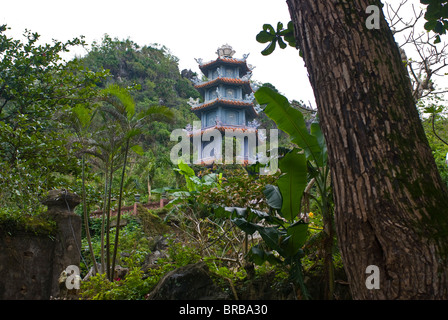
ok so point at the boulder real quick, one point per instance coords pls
(191, 282)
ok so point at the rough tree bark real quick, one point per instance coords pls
(391, 205)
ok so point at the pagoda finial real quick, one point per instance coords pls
(225, 51)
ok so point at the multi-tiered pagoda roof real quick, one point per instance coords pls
(228, 101)
(226, 83)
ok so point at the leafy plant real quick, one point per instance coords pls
(36, 87)
(436, 16)
(273, 36)
(315, 166)
(122, 110)
(132, 287)
(280, 229)
(194, 184)
(284, 228)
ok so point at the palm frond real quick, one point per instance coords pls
(156, 112)
(123, 95)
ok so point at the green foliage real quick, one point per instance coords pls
(133, 243)
(153, 74)
(194, 186)
(135, 285)
(132, 287)
(181, 254)
(239, 188)
(284, 229)
(12, 222)
(195, 183)
(292, 122)
(292, 183)
(437, 133)
(436, 16)
(36, 88)
(119, 114)
(269, 34)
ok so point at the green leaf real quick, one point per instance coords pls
(317, 132)
(132, 133)
(268, 28)
(433, 109)
(124, 96)
(138, 150)
(281, 43)
(297, 235)
(439, 28)
(272, 236)
(260, 256)
(156, 112)
(289, 120)
(189, 175)
(210, 179)
(292, 183)
(264, 37)
(279, 27)
(270, 48)
(430, 25)
(185, 169)
(273, 196)
(247, 227)
(288, 34)
(83, 114)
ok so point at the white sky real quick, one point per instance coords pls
(188, 28)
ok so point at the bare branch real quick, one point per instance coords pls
(427, 60)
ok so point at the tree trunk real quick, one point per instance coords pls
(391, 207)
(120, 200)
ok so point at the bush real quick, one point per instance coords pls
(132, 287)
(12, 221)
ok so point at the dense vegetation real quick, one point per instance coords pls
(99, 125)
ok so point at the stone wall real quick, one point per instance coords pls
(30, 264)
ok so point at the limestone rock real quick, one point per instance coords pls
(191, 282)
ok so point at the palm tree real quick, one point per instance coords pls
(121, 107)
(80, 120)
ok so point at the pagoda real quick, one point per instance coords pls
(228, 103)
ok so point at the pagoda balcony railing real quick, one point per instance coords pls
(197, 82)
(220, 126)
(248, 99)
(238, 159)
(229, 126)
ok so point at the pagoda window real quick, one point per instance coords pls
(230, 73)
(210, 119)
(232, 117)
(213, 94)
(213, 74)
(230, 93)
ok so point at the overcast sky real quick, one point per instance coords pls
(188, 28)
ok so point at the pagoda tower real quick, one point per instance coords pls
(228, 103)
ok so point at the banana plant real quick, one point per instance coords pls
(285, 228)
(282, 229)
(312, 143)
